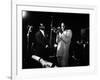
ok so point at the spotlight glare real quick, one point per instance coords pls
(24, 14)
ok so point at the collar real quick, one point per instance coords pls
(42, 32)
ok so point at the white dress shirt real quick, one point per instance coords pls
(42, 33)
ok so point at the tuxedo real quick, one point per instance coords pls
(40, 41)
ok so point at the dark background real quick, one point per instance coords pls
(77, 22)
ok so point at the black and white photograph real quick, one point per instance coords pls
(55, 39)
(50, 40)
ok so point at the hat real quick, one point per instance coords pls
(41, 26)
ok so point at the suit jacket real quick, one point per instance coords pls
(63, 47)
(41, 42)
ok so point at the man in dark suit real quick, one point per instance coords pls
(41, 54)
(41, 41)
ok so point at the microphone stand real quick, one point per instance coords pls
(28, 35)
(51, 34)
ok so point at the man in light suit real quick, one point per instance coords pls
(63, 39)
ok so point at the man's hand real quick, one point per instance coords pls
(55, 45)
(46, 46)
(45, 63)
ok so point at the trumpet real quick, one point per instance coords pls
(56, 30)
